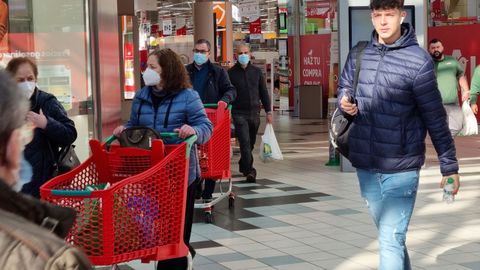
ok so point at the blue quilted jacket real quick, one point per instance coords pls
(175, 110)
(398, 102)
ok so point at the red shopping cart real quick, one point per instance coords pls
(214, 157)
(141, 215)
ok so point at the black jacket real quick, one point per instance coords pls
(218, 86)
(251, 88)
(398, 102)
(60, 132)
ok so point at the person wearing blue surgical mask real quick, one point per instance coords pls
(251, 89)
(213, 85)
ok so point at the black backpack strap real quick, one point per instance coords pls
(361, 45)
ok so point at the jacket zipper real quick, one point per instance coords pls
(155, 116)
(372, 147)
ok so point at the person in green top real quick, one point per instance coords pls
(475, 89)
(449, 75)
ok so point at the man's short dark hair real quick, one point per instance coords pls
(386, 4)
(434, 40)
(203, 41)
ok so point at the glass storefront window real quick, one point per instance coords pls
(58, 42)
(453, 12)
(318, 16)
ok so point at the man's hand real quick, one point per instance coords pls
(185, 131)
(269, 118)
(474, 108)
(221, 104)
(350, 108)
(118, 130)
(456, 183)
(38, 119)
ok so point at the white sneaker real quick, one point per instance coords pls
(189, 261)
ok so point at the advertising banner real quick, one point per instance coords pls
(291, 68)
(256, 27)
(437, 10)
(315, 59)
(318, 9)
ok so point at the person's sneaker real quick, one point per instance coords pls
(189, 261)
(251, 178)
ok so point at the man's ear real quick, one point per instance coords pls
(13, 151)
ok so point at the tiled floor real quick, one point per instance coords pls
(303, 215)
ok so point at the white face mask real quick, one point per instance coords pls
(151, 77)
(27, 88)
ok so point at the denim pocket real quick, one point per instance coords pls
(404, 184)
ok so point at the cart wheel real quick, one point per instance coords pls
(208, 218)
(231, 202)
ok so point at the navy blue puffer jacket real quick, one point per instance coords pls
(59, 132)
(398, 102)
(175, 110)
(217, 87)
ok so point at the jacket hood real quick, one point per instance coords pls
(408, 38)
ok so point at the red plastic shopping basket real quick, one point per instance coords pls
(214, 156)
(141, 216)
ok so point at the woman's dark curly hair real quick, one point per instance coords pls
(174, 75)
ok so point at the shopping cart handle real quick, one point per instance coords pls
(58, 192)
(215, 105)
(189, 141)
(109, 141)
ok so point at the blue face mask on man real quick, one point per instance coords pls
(25, 174)
(200, 58)
(244, 59)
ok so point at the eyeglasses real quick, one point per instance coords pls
(200, 51)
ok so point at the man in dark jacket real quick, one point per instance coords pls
(29, 228)
(396, 103)
(213, 85)
(251, 88)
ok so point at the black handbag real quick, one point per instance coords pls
(340, 123)
(138, 137)
(67, 160)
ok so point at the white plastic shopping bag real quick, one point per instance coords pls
(269, 149)
(470, 125)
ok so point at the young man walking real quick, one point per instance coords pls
(396, 103)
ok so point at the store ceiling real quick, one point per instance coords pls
(179, 8)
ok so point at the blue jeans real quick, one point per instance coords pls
(390, 199)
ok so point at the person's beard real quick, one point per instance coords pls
(436, 55)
